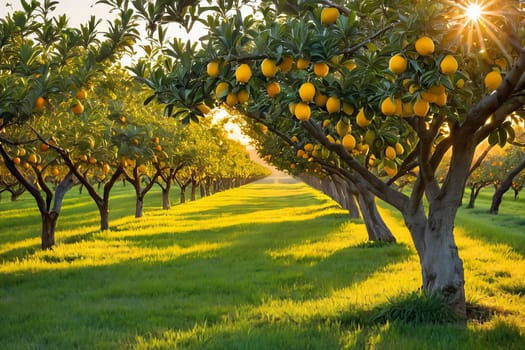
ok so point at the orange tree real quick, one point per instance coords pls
(305, 158)
(509, 168)
(46, 71)
(413, 72)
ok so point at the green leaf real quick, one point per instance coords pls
(493, 138)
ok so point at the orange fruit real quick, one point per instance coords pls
(40, 103)
(307, 92)
(243, 73)
(268, 68)
(333, 105)
(349, 142)
(441, 99)
(320, 99)
(348, 109)
(44, 147)
(158, 148)
(213, 68)
(448, 65)
(361, 119)
(243, 96)
(493, 80)
(390, 152)
(388, 107)
(92, 160)
(294, 139)
(77, 108)
(21, 152)
(321, 69)
(303, 63)
(350, 65)
(421, 107)
(391, 169)
(430, 97)
(397, 64)
(106, 168)
(437, 89)
(308, 147)
(399, 148)
(460, 83)
(425, 46)
(55, 172)
(273, 89)
(203, 108)
(342, 127)
(16, 160)
(231, 99)
(326, 122)
(221, 89)
(83, 158)
(31, 158)
(300, 153)
(291, 107)
(122, 119)
(302, 111)
(286, 64)
(135, 141)
(329, 15)
(81, 94)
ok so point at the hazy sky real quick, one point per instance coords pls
(78, 11)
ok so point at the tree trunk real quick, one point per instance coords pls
(104, 216)
(139, 206)
(442, 268)
(202, 190)
(193, 191)
(166, 198)
(183, 195)
(375, 226)
(207, 188)
(504, 186)
(474, 192)
(49, 222)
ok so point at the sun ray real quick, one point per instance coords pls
(475, 24)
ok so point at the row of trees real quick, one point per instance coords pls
(70, 114)
(382, 91)
(502, 169)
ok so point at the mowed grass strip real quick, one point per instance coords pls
(263, 266)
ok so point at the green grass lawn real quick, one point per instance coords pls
(265, 266)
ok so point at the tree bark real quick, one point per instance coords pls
(442, 268)
(375, 226)
(504, 187)
(103, 211)
(193, 191)
(474, 192)
(166, 198)
(49, 222)
(139, 207)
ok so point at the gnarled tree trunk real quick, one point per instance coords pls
(375, 225)
(504, 187)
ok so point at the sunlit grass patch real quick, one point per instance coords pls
(268, 266)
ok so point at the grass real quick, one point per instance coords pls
(265, 266)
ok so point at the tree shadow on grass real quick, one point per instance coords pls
(143, 295)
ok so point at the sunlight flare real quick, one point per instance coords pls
(475, 23)
(473, 12)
